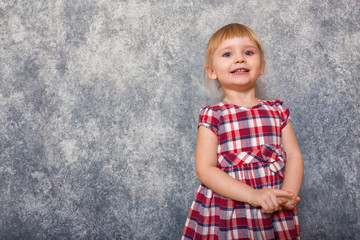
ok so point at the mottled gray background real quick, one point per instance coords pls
(99, 103)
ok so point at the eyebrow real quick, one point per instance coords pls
(230, 47)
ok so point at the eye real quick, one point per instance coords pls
(249, 53)
(227, 54)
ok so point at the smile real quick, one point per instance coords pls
(242, 70)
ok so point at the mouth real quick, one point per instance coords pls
(240, 70)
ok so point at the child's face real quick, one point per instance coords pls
(236, 64)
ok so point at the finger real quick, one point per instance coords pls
(283, 193)
(271, 205)
(275, 203)
(294, 201)
(281, 201)
(265, 207)
(266, 211)
(289, 206)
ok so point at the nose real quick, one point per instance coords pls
(239, 58)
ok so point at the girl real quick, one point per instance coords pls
(242, 147)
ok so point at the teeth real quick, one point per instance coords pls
(240, 71)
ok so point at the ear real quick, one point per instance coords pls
(211, 72)
(262, 68)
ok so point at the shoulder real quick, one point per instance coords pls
(213, 113)
(280, 109)
(276, 104)
(214, 109)
(220, 106)
(211, 116)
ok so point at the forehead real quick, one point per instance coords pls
(235, 42)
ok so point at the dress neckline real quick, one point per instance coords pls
(260, 103)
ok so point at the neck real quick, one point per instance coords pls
(245, 99)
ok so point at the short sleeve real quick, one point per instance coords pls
(284, 113)
(209, 118)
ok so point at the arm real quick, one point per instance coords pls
(294, 167)
(220, 182)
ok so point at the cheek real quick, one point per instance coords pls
(221, 64)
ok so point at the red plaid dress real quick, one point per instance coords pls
(249, 150)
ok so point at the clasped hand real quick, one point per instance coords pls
(272, 200)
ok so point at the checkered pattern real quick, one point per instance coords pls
(249, 150)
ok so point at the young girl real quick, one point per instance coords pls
(242, 148)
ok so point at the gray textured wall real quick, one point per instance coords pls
(99, 103)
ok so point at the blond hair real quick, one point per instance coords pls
(229, 31)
